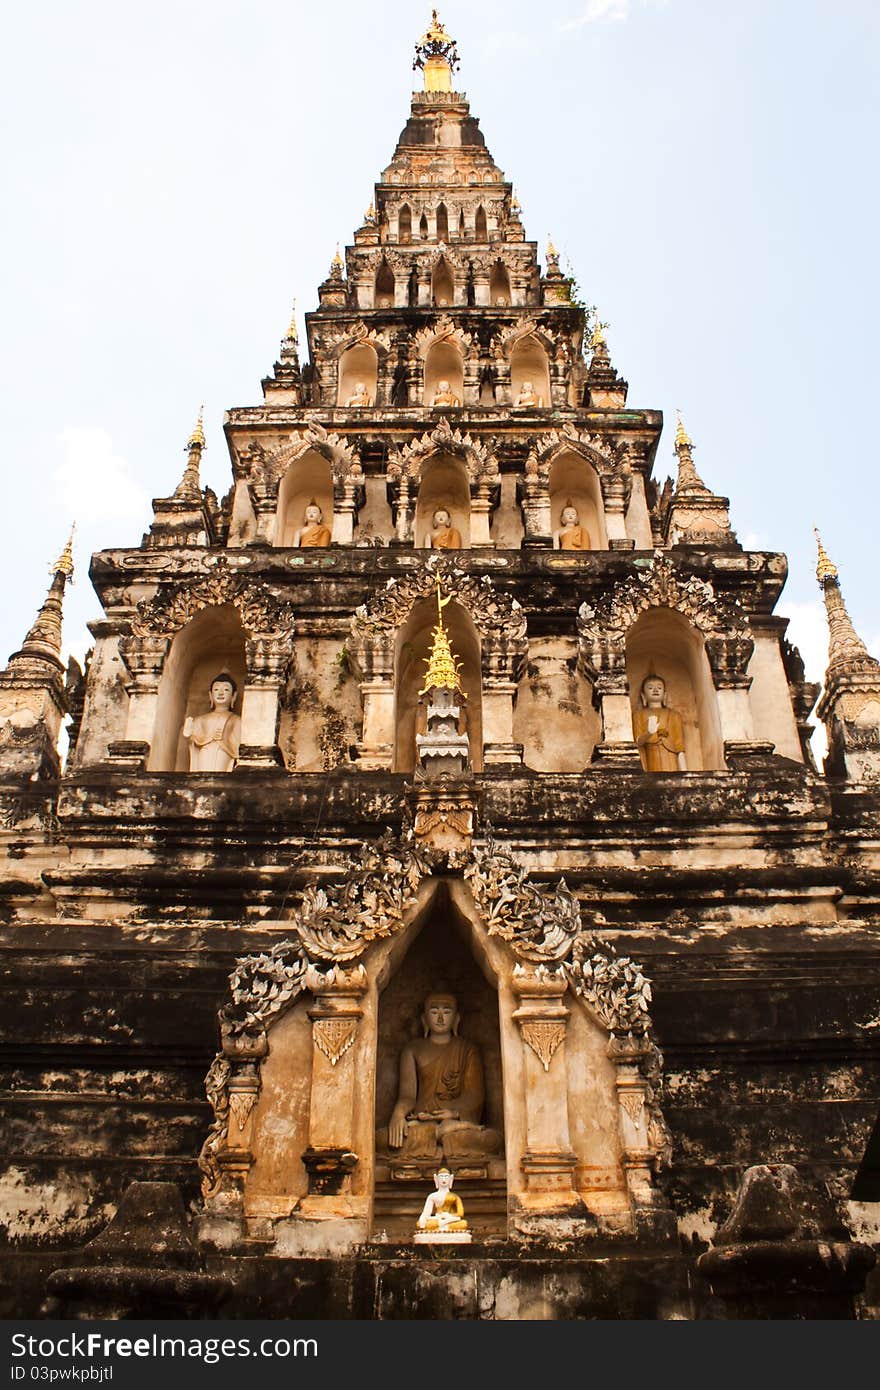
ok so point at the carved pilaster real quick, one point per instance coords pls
(548, 1162)
(144, 658)
(330, 1158)
(632, 1098)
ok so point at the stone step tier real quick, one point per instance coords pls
(398, 1205)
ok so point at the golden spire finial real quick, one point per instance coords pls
(291, 335)
(515, 205)
(597, 337)
(64, 563)
(443, 665)
(197, 438)
(437, 56)
(370, 214)
(682, 438)
(825, 569)
(336, 263)
(552, 253)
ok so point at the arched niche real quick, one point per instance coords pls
(462, 225)
(573, 479)
(442, 222)
(528, 362)
(423, 227)
(442, 283)
(358, 364)
(499, 284)
(443, 483)
(481, 226)
(212, 642)
(404, 224)
(383, 293)
(439, 951)
(663, 641)
(410, 655)
(309, 477)
(444, 362)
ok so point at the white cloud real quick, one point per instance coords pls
(93, 482)
(598, 12)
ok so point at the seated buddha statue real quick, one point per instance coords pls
(313, 531)
(571, 535)
(443, 1210)
(361, 395)
(215, 737)
(440, 1091)
(445, 396)
(658, 729)
(443, 535)
(528, 395)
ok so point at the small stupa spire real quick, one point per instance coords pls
(443, 665)
(437, 56)
(292, 336)
(44, 637)
(846, 650)
(194, 446)
(336, 264)
(688, 479)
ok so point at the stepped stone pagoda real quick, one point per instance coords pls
(445, 794)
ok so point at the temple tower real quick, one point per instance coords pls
(447, 782)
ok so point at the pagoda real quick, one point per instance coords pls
(445, 793)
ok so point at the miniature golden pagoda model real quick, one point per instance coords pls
(444, 792)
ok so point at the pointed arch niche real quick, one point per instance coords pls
(383, 291)
(442, 222)
(529, 362)
(443, 483)
(404, 224)
(481, 226)
(213, 641)
(663, 640)
(499, 284)
(444, 362)
(411, 648)
(358, 364)
(573, 479)
(442, 284)
(306, 478)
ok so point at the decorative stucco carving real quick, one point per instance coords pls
(494, 613)
(335, 923)
(444, 330)
(722, 623)
(356, 335)
(596, 449)
(260, 610)
(481, 465)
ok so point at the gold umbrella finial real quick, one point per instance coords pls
(552, 253)
(291, 335)
(825, 567)
(682, 438)
(197, 438)
(336, 263)
(64, 563)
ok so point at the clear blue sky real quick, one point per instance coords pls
(176, 173)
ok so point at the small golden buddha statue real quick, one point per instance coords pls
(529, 396)
(445, 396)
(361, 395)
(571, 535)
(658, 729)
(313, 532)
(443, 1210)
(444, 535)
